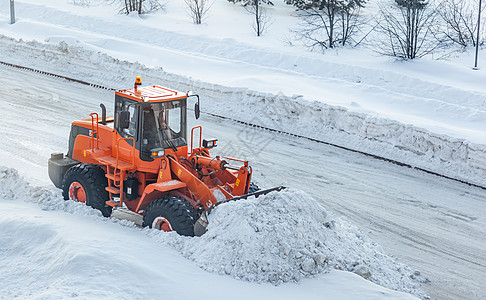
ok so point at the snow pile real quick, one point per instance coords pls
(275, 238)
(454, 157)
(14, 187)
(288, 236)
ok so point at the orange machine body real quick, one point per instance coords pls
(144, 148)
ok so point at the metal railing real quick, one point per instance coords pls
(94, 131)
(192, 137)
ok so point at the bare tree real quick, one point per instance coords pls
(350, 20)
(133, 5)
(141, 6)
(461, 21)
(256, 8)
(198, 9)
(409, 29)
(327, 23)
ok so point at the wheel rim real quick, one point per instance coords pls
(162, 223)
(77, 192)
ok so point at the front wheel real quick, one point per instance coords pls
(86, 183)
(171, 214)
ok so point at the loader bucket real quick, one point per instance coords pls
(200, 227)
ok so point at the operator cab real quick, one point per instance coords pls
(154, 116)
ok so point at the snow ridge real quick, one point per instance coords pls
(14, 188)
(453, 157)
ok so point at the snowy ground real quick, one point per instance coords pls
(426, 113)
(71, 251)
(391, 204)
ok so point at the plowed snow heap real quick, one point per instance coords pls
(288, 236)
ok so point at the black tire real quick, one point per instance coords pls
(93, 181)
(177, 211)
(253, 188)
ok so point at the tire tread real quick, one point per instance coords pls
(178, 211)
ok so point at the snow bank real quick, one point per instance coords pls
(277, 238)
(287, 236)
(454, 157)
(14, 187)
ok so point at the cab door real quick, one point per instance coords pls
(127, 125)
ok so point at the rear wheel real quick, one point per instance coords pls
(86, 183)
(171, 214)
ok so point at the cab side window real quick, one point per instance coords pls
(175, 119)
(126, 127)
(131, 131)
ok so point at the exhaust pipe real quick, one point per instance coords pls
(103, 114)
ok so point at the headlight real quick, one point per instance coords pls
(158, 152)
(210, 143)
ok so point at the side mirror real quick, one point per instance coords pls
(197, 112)
(124, 119)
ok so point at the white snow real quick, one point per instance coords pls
(287, 236)
(426, 113)
(70, 250)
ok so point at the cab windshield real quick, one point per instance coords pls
(164, 125)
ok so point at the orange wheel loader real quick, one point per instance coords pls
(140, 160)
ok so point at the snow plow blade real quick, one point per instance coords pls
(202, 223)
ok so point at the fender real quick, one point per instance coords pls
(157, 190)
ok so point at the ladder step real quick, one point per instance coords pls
(113, 203)
(114, 177)
(112, 162)
(113, 190)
